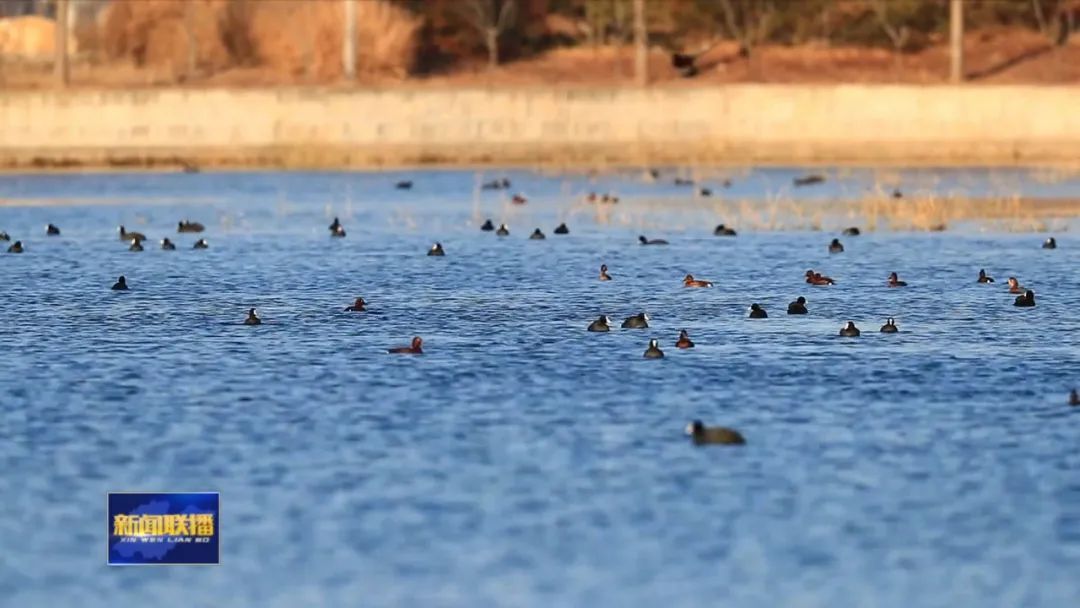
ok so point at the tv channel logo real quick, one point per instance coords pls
(164, 528)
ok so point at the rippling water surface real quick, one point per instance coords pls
(522, 461)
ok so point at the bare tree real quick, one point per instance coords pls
(897, 35)
(192, 39)
(641, 44)
(60, 40)
(1058, 26)
(748, 22)
(491, 18)
(956, 41)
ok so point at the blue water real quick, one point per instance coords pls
(522, 461)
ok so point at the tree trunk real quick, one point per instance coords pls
(491, 39)
(60, 39)
(192, 40)
(348, 44)
(641, 45)
(956, 41)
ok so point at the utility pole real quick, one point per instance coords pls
(348, 45)
(956, 41)
(60, 39)
(641, 45)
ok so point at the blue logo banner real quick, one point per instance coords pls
(151, 528)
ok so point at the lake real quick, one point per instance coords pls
(523, 461)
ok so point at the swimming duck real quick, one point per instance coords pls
(404, 185)
(757, 312)
(1074, 398)
(638, 321)
(562, 229)
(808, 180)
(890, 326)
(136, 245)
(983, 278)
(358, 306)
(852, 231)
(1027, 300)
(4, 236)
(816, 278)
(414, 348)
(798, 307)
(15, 247)
(836, 247)
(167, 245)
(684, 340)
(604, 276)
(252, 318)
(722, 230)
(121, 284)
(653, 352)
(704, 192)
(339, 232)
(537, 235)
(894, 281)
(850, 331)
(517, 199)
(201, 244)
(1049, 243)
(601, 324)
(717, 435)
(335, 225)
(52, 230)
(488, 226)
(690, 281)
(128, 236)
(186, 226)
(436, 250)
(645, 241)
(1014, 286)
(503, 230)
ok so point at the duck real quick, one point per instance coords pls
(684, 340)
(503, 230)
(603, 323)
(815, 278)
(851, 231)
(15, 247)
(496, 184)
(808, 180)
(562, 229)
(537, 235)
(722, 230)
(896, 193)
(1049, 243)
(136, 245)
(798, 307)
(252, 318)
(436, 250)
(128, 236)
(654, 352)
(984, 278)
(185, 226)
(690, 281)
(704, 192)
(638, 321)
(167, 245)
(120, 284)
(201, 244)
(604, 276)
(335, 225)
(1026, 301)
(679, 181)
(52, 230)
(414, 348)
(339, 232)
(894, 281)
(645, 241)
(716, 435)
(890, 326)
(358, 306)
(487, 226)
(757, 312)
(4, 236)
(1074, 398)
(1014, 286)
(836, 246)
(518, 199)
(850, 331)
(404, 185)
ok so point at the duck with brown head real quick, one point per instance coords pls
(414, 348)
(1014, 286)
(684, 340)
(690, 281)
(894, 281)
(717, 435)
(604, 276)
(358, 306)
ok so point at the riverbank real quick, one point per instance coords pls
(741, 125)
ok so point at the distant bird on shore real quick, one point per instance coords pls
(685, 64)
(896, 193)
(684, 340)
(798, 307)
(984, 278)
(890, 326)
(645, 241)
(436, 250)
(120, 284)
(757, 312)
(690, 281)
(1025, 301)
(836, 246)
(850, 331)
(252, 318)
(487, 226)
(167, 245)
(653, 352)
(809, 180)
(414, 348)
(128, 236)
(15, 247)
(562, 229)
(722, 230)
(717, 435)
(894, 281)
(601, 324)
(358, 306)
(185, 226)
(52, 230)
(1049, 243)
(404, 185)
(537, 235)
